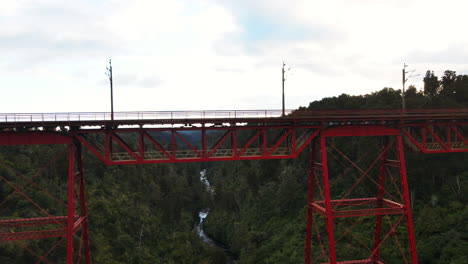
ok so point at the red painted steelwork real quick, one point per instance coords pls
(33, 221)
(406, 199)
(64, 227)
(380, 201)
(71, 203)
(382, 206)
(83, 206)
(32, 138)
(438, 137)
(170, 145)
(32, 235)
(365, 261)
(359, 130)
(327, 199)
(194, 136)
(310, 199)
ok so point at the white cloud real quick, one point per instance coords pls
(223, 54)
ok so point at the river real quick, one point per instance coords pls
(230, 259)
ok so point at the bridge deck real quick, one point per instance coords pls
(166, 137)
(84, 119)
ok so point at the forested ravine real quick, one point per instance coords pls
(151, 213)
(230, 258)
(259, 206)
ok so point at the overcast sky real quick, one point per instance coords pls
(218, 54)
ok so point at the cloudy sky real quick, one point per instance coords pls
(218, 54)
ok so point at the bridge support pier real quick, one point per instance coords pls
(75, 168)
(53, 230)
(350, 192)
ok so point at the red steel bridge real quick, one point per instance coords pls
(196, 136)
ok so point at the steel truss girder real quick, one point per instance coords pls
(322, 201)
(450, 137)
(173, 145)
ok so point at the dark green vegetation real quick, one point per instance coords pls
(147, 213)
(260, 206)
(158, 202)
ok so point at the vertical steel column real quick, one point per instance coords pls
(71, 203)
(328, 207)
(293, 136)
(84, 210)
(234, 142)
(203, 132)
(424, 138)
(141, 145)
(310, 199)
(449, 136)
(173, 144)
(379, 204)
(406, 197)
(108, 146)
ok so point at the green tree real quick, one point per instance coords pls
(431, 84)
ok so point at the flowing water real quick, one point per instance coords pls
(230, 259)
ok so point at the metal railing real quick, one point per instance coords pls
(382, 113)
(190, 154)
(230, 114)
(145, 115)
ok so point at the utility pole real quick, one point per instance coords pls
(282, 74)
(109, 73)
(403, 102)
(283, 80)
(411, 74)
